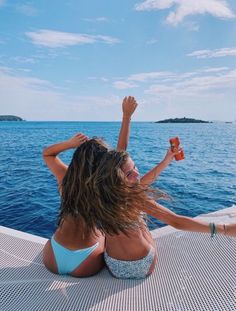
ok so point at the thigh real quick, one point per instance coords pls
(49, 258)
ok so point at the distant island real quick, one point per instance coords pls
(10, 118)
(182, 120)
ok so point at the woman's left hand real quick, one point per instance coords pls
(77, 140)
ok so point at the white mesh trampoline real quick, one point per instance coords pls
(194, 272)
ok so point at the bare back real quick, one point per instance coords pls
(133, 246)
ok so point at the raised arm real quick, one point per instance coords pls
(153, 174)
(182, 222)
(50, 155)
(128, 107)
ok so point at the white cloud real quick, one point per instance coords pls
(202, 72)
(7, 76)
(95, 20)
(184, 8)
(27, 9)
(123, 85)
(37, 99)
(22, 59)
(217, 69)
(197, 85)
(214, 53)
(152, 41)
(207, 93)
(144, 76)
(55, 39)
(104, 79)
(2, 2)
(162, 77)
(29, 94)
(149, 5)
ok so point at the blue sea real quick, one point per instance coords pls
(204, 182)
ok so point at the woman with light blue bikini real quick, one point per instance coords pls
(77, 246)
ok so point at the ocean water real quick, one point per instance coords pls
(205, 181)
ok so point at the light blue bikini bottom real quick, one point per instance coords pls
(68, 260)
(134, 269)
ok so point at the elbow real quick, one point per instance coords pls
(45, 153)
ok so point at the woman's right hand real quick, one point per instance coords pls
(128, 106)
(77, 140)
(170, 155)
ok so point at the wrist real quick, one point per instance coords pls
(126, 117)
(68, 144)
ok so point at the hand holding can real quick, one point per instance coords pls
(175, 143)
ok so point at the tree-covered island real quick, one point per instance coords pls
(182, 120)
(10, 118)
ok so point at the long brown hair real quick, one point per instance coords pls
(96, 190)
(119, 202)
(77, 185)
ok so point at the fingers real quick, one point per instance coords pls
(78, 140)
(81, 137)
(173, 151)
(129, 105)
(130, 100)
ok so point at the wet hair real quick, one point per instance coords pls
(118, 201)
(77, 185)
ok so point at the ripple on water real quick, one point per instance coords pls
(203, 182)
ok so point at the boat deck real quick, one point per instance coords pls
(194, 272)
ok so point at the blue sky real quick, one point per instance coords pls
(76, 60)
